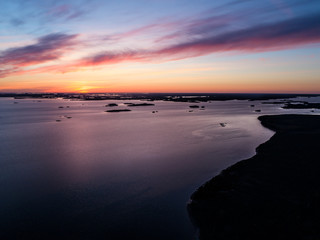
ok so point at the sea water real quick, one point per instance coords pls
(70, 169)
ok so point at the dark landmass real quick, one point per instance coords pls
(175, 97)
(194, 106)
(277, 102)
(112, 105)
(273, 195)
(304, 105)
(139, 104)
(119, 110)
(290, 104)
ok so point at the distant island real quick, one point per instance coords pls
(291, 104)
(139, 104)
(194, 106)
(303, 105)
(174, 97)
(112, 105)
(118, 110)
(273, 195)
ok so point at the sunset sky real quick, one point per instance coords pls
(160, 46)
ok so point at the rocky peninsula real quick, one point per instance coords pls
(273, 195)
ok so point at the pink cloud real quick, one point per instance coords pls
(268, 37)
(202, 40)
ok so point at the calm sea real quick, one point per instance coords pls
(70, 170)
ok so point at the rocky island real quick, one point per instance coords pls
(273, 195)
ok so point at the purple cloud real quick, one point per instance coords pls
(197, 37)
(260, 38)
(274, 36)
(47, 48)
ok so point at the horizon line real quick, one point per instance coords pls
(196, 93)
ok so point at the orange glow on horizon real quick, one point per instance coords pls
(218, 88)
(226, 77)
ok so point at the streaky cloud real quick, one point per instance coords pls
(7, 71)
(267, 37)
(49, 47)
(198, 37)
(260, 38)
(65, 11)
(16, 22)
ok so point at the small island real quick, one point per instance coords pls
(118, 110)
(193, 106)
(112, 105)
(139, 104)
(273, 195)
(223, 124)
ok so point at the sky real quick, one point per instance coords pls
(264, 46)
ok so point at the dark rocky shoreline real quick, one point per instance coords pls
(273, 195)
